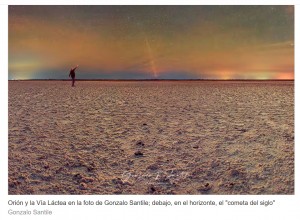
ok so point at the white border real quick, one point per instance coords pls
(152, 2)
(4, 99)
(286, 207)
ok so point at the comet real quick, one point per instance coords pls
(151, 59)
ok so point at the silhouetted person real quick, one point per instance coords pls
(72, 74)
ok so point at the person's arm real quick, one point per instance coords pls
(75, 67)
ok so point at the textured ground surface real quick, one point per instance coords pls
(151, 138)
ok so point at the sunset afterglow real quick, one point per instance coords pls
(151, 42)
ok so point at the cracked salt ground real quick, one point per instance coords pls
(151, 137)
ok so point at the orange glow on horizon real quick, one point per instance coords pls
(130, 40)
(285, 76)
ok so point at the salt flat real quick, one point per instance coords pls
(161, 137)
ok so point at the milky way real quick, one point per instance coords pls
(145, 42)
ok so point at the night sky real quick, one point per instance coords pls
(151, 42)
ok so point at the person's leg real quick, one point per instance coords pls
(73, 82)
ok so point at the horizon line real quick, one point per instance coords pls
(153, 79)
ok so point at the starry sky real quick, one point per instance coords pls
(151, 42)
